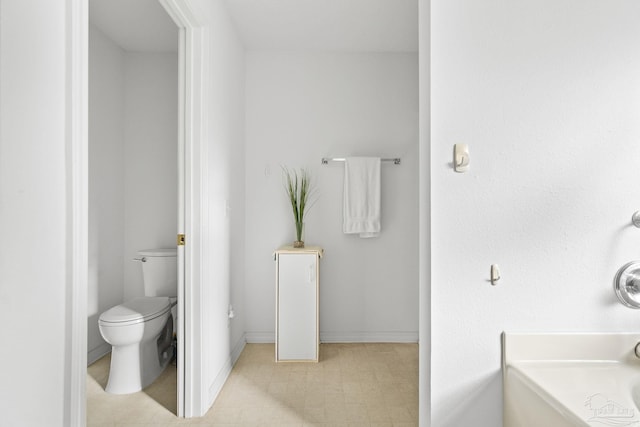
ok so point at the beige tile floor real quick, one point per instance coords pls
(352, 385)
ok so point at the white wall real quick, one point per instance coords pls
(133, 113)
(305, 106)
(106, 184)
(546, 95)
(35, 285)
(150, 159)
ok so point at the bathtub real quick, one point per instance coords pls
(570, 380)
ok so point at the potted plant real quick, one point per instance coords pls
(298, 187)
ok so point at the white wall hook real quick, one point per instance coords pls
(460, 157)
(635, 219)
(495, 274)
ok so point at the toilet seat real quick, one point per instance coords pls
(138, 310)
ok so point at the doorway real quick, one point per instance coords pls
(136, 197)
(195, 67)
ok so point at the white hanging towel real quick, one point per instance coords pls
(361, 204)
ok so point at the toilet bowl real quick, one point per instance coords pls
(140, 331)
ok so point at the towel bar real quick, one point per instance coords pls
(325, 160)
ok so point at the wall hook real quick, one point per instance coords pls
(495, 274)
(460, 157)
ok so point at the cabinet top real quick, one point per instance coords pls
(306, 249)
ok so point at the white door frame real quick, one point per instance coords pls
(77, 65)
(193, 69)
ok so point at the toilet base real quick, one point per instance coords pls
(136, 366)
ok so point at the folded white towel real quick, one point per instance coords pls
(361, 203)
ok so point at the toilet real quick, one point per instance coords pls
(140, 331)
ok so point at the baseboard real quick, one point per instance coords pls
(221, 378)
(237, 349)
(342, 337)
(372, 337)
(260, 337)
(97, 353)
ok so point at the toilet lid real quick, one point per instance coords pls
(141, 309)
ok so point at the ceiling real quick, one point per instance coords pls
(342, 25)
(328, 25)
(135, 25)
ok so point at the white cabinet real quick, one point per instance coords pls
(297, 285)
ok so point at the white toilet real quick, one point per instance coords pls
(140, 331)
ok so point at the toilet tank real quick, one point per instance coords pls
(159, 272)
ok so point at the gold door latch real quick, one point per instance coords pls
(180, 239)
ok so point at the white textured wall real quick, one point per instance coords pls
(106, 184)
(132, 170)
(34, 257)
(546, 94)
(150, 159)
(305, 106)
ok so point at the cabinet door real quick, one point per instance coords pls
(297, 307)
